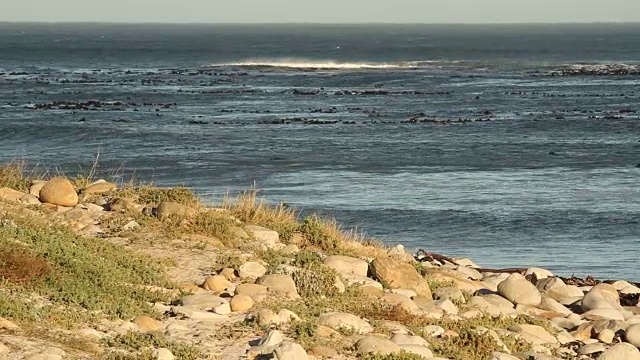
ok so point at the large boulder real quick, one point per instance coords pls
(534, 334)
(280, 284)
(289, 351)
(98, 187)
(59, 191)
(347, 265)
(632, 335)
(601, 296)
(519, 291)
(622, 351)
(399, 275)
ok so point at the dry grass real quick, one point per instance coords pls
(12, 175)
(20, 267)
(252, 210)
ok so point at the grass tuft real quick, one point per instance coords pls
(12, 175)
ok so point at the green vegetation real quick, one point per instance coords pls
(88, 277)
(139, 346)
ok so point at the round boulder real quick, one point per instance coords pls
(519, 291)
(59, 191)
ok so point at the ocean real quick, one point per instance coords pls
(514, 145)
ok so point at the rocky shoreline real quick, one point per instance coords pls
(245, 280)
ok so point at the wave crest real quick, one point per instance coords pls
(325, 64)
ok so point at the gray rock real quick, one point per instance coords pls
(251, 270)
(280, 284)
(449, 293)
(519, 291)
(601, 296)
(622, 351)
(163, 354)
(339, 320)
(534, 334)
(204, 301)
(377, 346)
(404, 339)
(419, 350)
(592, 348)
(632, 335)
(346, 265)
(289, 351)
(266, 236)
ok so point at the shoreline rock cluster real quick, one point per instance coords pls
(290, 296)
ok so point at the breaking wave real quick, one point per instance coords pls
(327, 64)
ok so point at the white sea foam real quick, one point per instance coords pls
(325, 64)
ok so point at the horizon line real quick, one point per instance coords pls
(317, 23)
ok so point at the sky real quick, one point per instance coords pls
(322, 11)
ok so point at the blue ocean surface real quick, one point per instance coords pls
(514, 145)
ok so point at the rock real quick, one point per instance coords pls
(290, 249)
(59, 191)
(492, 305)
(376, 345)
(345, 265)
(539, 273)
(263, 235)
(402, 301)
(216, 283)
(267, 317)
(280, 284)
(270, 340)
(223, 309)
(554, 288)
(198, 315)
(322, 351)
(630, 290)
(257, 292)
(403, 339)
(289, 351)
(622, 351)
(632, 335)
(8, 325)
(241, 303)
(29, 199)
(592, 348)
(601, 296)
(502, 356)
(163, 354)
(228, 273)
(606, 314)
(36, 186)
(432, 331)
(421, 351)
(168, 208)
(607, 336)
(8, 194)
(534, 334)
(449, 293)
(519, 291)
(131, 225)
(122, 205)
(251, 270)
(339, 320)
(469, 273)
(4, 349)
(399, 275)
(351, 279)
(202, 301)
(550, 304)
(99, 187)
(146, 323)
